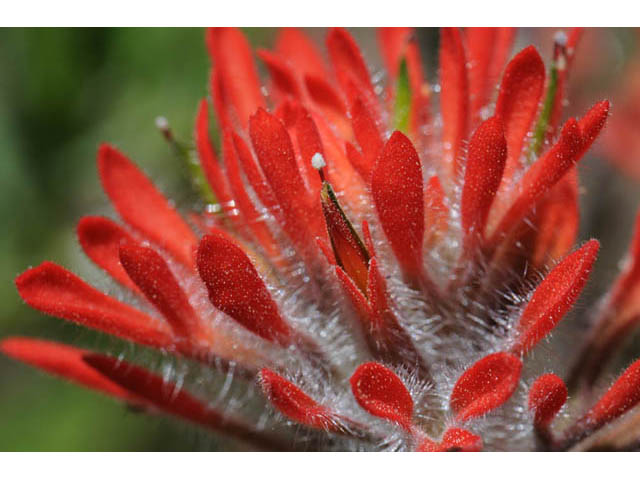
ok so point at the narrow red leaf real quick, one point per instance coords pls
(483, 174)
(142, 206)
(557, 221)
(169, 398)
(271, 142)
(58, 359)
(358, 161)
(347, 60)
(546, 397)
(460, 440)
(501, 52)
(152, 275)
(393, 44)
(254, 174)
(518, 100)
(235, 288)
(367, 135)
(486, 385)
(243, 202)
(623, 395)
(555, 295)
(209, 160)
(309, 144)
(541, 176)
(282, 75)
(232, 58)
(220, 100)
(592, 123)
(58, 292)
(397, 189)
(329, 102)
(295, 46)
(100, 239)
(454, 95)
(480, 47)
(293, 403)
(381, 393)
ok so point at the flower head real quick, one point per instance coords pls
(371, 271)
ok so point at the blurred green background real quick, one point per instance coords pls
(62, 92)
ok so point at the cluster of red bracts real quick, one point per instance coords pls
(268, 168)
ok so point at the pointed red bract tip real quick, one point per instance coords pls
(454, 96)
(520, 92)
(100, 239)
(593, 122)
(397, 189)
(623, 395)
(302, 219)
(488, 49)
(485, 164)
(546, 397)
(555, 295)
(460, 440)
(62, 360)
(233, 61)
(541, 177)
(152, 275)
(486, 385)
(368, 137)
(381, 393)
(236, 289)
(298, 48)
(142, 206)
(346, 58)
(58, 292)
(282, 76)
(295, 404)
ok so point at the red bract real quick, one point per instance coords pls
(554, 297)
(517, 104)
(454, 98)
(486, 385)
(236, 289)
(623, 395)
(101, 240)
(546, 397)
(152, 275)
(58, 292)
(381, 393)
(458, 439)
(142, 206)
(353, 225)
(485, 164)
(295, 404)
(397, 189)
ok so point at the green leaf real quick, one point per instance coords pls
(402, 107)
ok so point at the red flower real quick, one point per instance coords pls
(371, 264)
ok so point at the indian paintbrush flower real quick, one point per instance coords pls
(375, 273)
